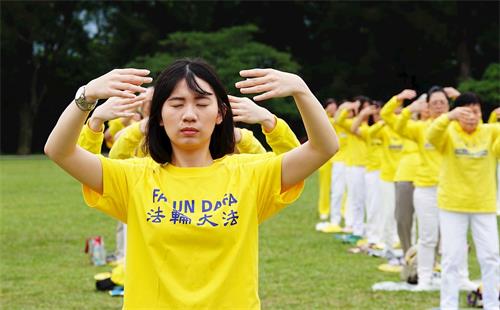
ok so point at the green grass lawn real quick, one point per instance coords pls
(44, 224)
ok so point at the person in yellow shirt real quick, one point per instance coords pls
(393, 147)
(355, 171)
(426, 181)
(493, 119)
(362, 124)
(130, 143)
(325, 174)
(192, 211)
(405, 173)
(338, 183)
(467, 195)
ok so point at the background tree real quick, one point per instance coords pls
(48, 49)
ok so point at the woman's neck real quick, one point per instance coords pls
(191, 158)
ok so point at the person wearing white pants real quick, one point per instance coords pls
(373, 207)
(467, 194)
(388, 221)
(454, 226)
(337, 191)
(356, 198)
(425, 202)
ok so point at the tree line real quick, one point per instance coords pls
(48, 49)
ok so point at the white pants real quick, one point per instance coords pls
(498, 188)
(121, 240)
(356, 198)
(338, 187)
(389, 231)
(373, 207)
(425, 202)
(454, 226)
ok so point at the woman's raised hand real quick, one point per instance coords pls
(117, 83)
(270, 83)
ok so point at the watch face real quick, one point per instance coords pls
(80, 92)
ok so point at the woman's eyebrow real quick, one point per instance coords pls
(176, 98)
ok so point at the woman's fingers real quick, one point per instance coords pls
(130, 87)
(131, 106)
(257, 89)
(132, 71)
(239, 118)
(265, 96)
(254, 72)
(253, 82)
(134, 79)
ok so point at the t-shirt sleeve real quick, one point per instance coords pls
(270, 199)
(118, 178)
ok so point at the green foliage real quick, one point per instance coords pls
(488, 88)
(228, 50)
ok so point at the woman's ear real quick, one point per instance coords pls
(221, 114)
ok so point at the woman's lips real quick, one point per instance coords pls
(189, 131)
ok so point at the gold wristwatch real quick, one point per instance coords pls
(81, 102)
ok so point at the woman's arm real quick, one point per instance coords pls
(361, 117)
(61, 145)
(300, 162)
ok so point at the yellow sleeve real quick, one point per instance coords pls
(374, 131)
(281, 138)
(493, 118)
(90, 140)
(271, 200)
(343, 121)
(118, 176)
(437, 133)
(496, 149)
(364, 132)
(114, 126)
(249, 144)
(127, 143)
(405, 126)
(387, 111)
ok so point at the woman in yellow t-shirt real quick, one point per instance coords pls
(192, 212)
(466, 196)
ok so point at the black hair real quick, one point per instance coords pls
(157, 142)
(362, 99)
(378, 104)
(329, 101)
(467, 99)
(436, 89)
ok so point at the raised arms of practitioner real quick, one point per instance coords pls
(300, 162)
(61, 145)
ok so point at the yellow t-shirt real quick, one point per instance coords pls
(114, 126)
(248, 143)
(90, 140)
(357, 149)
(392, 150)
(375, 153)
(192, 236)
(409, 162)
(281, 139)
(493, 118)
(428, 170)
(467, 180)
(407, 167)
(129, 144)
(343, 152)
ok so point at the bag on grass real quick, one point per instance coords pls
(94, 246)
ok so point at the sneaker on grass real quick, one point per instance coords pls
(331, 228)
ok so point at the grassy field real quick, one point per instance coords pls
(44, 223)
